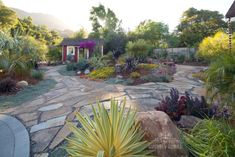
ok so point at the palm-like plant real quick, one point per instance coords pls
(111, 133)
(220, 78)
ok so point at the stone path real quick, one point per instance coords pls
(45, 116)
(14, 138)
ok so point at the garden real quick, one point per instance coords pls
(131, 68)
(181, 122)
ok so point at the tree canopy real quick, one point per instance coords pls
(198, 24)
(154, 32)
(103, 20)
(8, 17)
(25, 27)
(81, 34)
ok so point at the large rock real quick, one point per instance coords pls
(162, 132)
(187, 121)
(22, 84)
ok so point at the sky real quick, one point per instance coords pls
(75, 13)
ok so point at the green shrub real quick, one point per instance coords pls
(37, 74)
(7, 85)
(82, 65)
(135, 75)
(108, 59)
(102, 73)
(54, 54)
(180, 59)
(138, 49)
(111, 133)
(97, 63)
(210, 138)
(147, 66)
(220, 78)
(71, 67)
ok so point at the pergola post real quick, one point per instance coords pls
(102, 50)
(230, 14)
(230, 35)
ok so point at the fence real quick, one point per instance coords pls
(183, 51)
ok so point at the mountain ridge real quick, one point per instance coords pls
(52, 22)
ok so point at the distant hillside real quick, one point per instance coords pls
(43, 19)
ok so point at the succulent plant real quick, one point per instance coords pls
(7, 85)
(176, 106)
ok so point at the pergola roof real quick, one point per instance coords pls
(231, 11)
(76, 42)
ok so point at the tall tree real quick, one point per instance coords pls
(154, 32)
(198, 24)
(103, 20)
(8, 17)
(25, 27)
(81, 34)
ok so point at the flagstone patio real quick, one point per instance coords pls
(45, 116)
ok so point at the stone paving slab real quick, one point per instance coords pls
(14, 138)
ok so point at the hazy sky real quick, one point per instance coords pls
(75, 13)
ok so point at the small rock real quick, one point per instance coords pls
(79, 72)
(119, 76)
(161, 131)
(187, 121)
(87, 71)
(22, 84)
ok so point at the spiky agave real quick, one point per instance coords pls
(111, 133)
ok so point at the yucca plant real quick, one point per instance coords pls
(210, 138)
(111, 133)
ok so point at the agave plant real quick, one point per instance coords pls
(111, 133)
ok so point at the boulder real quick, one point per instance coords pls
(162, 132)
(87, 71)
(22, 84)
(187, 121)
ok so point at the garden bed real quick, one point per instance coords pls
(26, 94)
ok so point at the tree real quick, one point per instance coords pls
(25, 27)
(103, 20)
(154, 32)
(115, 41)
(81, 34)
(173, 40)
(138, 49)
(8, 18)
(198, 24)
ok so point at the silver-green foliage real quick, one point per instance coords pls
(111, 133)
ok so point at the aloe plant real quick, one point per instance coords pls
(111, 133)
